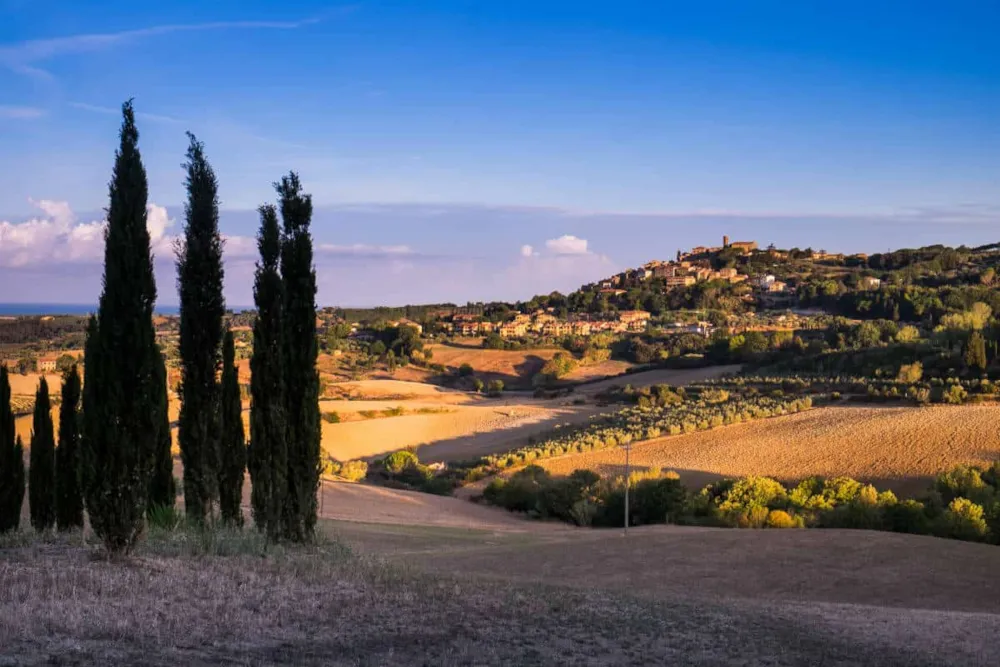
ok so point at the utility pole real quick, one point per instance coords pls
(628, 449)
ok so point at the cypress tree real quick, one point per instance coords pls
(199, 282)
(162, 491)
(119, 419)
(268, 455)
(11, 461)
(300, 350)
(69, 496)
(233, 450)
(42, 473)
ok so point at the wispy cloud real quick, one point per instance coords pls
(20, 113)
(25, 57)
(156, 118)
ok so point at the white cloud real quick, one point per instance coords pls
(567, 245)
(20, 113)
(364, 250)
(23, 57)
(57, 236)
(527, 251)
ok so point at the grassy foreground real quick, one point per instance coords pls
(194, 599)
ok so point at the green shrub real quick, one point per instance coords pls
(521, 492)
(465, 370)
(782, 519)
(331, 417)
(658, 501)
(754, 492)
(964, 520)
(398, 461)
(354, 471)
(908, 516)
(955, 394)
(964, 481)
(495, 388)
(164, 517)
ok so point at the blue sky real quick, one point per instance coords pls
(441, 137)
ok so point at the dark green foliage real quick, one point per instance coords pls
(975, 352)
(119, 424)
(69, 493)
(233, 450)
(300, 350)
(657, 501)
(199, 283)
(520, 493)
(162, 491)
(396, 462)
(267, 456)
(42, 470)
(11, 461)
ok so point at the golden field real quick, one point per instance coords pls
(899, 448)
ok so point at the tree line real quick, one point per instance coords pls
(114, 460)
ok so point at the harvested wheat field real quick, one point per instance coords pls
(346, 501)
(461, 432)
(898, 448)
(511, 366)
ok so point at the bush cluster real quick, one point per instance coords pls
(963, 504)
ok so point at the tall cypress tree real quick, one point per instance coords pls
(42, 473)
(300, 346)
(119, 424)
(11, 461)
(233, 448)
(199, 282)
(69, 496)
(162, 491)
(268, 454)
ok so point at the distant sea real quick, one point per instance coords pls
(13, 309)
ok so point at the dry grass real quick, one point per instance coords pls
(895, 447)
(513, 367)
(185, 600)
(374, 504)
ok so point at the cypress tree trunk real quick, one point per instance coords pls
(300, 350)
(119, 390)
(268, 455)
(42, 473)
(199, 281)
(162, 491)
(233, 448)
(11, 461)
(69, 496)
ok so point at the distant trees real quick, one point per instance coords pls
(69, 494)
(199, 282)
(268, 455)
(42, 471)
(232, 443)
(119, 423)
(975, 352)
(11, 461)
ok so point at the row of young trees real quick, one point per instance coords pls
(54, 483)
(119, 464)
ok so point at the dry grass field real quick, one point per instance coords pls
(899, 448)
(405, 594)
(513, 367)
